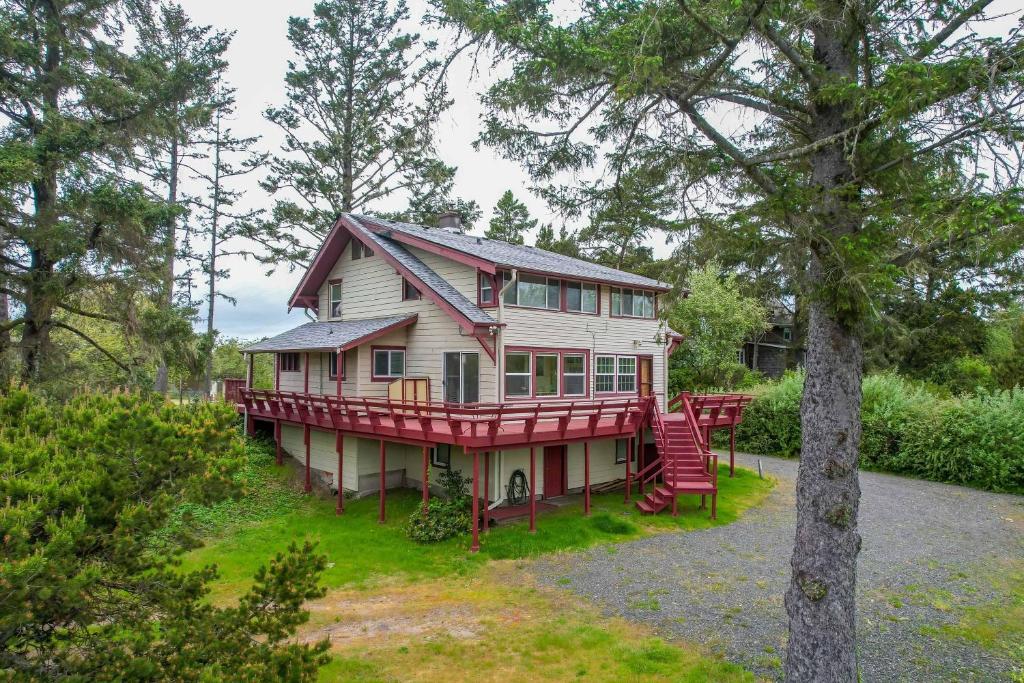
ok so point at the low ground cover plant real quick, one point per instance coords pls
(976, 440)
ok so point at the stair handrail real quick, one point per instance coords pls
(691, 420)
(658, 427)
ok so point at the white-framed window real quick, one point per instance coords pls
(615, 374)
(574, 374)
(545, 374)
(625, 380)
(604, 374)
(409, 291)
(388, 363)
(534, 291)
(441, 456)
(334, 296)
(581, 297)
(486, 289)
(332, 365)
(741, 356)
(632, 303)
(517, 374)
(787, 333)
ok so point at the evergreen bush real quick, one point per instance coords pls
(908, 428)
(445, 518)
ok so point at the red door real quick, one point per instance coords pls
(554, 471)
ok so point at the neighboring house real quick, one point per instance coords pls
(433, 349)
(775, 351)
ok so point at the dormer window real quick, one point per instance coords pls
(334, 295)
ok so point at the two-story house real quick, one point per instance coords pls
(535, 373)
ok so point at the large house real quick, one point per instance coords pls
(535, 373)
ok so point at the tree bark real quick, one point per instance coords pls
(212, 292)
(171, 245)
(820, 599)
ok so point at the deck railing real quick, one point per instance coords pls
(474, 426)
(712, 409)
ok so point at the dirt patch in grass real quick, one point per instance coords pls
(497, 626)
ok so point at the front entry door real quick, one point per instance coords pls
(646, 372)
(462, 377)
(554, 471)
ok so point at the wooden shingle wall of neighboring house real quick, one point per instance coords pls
(370, 289)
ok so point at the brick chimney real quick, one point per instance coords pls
(451, 221)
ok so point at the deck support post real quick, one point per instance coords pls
(586, 478)
(339, 363)
(339, 446)
(533, 493)
(383, 483)
(675, 504)
(250, 422)
(487, 492)
(277, 372)
(629, 474)
(426, 481)
(732, 449)
(278, 458)
(476, 503)
(308, 485)
(305, 369)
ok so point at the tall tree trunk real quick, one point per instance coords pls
(212, 292)
(171, 246)
(820, 599)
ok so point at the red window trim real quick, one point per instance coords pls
(406, 283)
(544, 350)
(653, 293)
(330, 283)
(616, 356)
(344, 366)
(565, 297)
(374, 377)
(494, 289)
(298, 360)
(563, 294)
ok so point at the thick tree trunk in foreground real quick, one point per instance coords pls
(820, 600)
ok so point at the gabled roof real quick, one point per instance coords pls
(507, 255)
(331, 336)
(413, 265)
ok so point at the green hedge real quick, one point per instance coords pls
(974, 440)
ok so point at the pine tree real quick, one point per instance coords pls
(510, 221)
(81, 239)
(192, 59)
(565, 243)
(850, 113)
(363, 100)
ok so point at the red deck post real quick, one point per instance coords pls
(533, 493)
(487, 492)
(338, 363)
(640, 464)
(629, 475)
(250, 421)
(278, 458)
(476, 503)
(277, 372)
(426, 481)
(732, 449)
(305, 367)
(586, 478)
(383, 482)
(339, 446)
(308, 485)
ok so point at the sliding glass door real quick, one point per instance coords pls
(462, 377)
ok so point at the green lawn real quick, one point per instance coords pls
(361, 551)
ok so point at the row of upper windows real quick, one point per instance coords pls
(571, 296)
(388, 363)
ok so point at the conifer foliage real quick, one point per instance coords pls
(89, 590)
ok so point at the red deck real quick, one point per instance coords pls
(475, 427)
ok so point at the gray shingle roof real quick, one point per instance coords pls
(327, 336)
(421, 270)
(518, 256)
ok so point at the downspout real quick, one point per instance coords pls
(499, 355)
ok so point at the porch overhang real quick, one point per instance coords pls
(332, 336)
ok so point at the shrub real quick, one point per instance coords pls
(908, 428)
(444, 518)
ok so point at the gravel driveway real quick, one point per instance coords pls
(929, 551)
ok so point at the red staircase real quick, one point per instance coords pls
(684, 463)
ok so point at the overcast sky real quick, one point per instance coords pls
(258, 61)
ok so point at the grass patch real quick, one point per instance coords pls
(997, 626)
(243, 534)
(519, 632)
